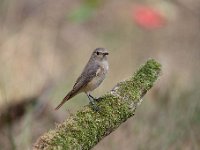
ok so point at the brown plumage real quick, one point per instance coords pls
(92, 76)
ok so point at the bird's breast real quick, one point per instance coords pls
(98, 79)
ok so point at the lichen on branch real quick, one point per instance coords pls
(86, 128)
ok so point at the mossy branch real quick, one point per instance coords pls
(86, 128)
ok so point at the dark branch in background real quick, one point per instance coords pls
(86, 128)
(12, 112)
(15, 111)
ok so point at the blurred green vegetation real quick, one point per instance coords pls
(85, 11)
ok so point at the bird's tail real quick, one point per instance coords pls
(67, 97)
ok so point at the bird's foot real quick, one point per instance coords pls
(94, 106)
(98, 99)
(95, 99)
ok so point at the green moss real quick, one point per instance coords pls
(141, 82)
(86, 128)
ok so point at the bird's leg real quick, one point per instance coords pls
(95, 99)
(92, 97)
(92, 102)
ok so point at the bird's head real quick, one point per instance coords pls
(100, 54)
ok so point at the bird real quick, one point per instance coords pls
(91, 77)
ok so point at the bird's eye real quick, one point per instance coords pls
(98, 53)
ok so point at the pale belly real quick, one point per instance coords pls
(100, 76)
(94, 83)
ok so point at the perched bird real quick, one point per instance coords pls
(91, 77)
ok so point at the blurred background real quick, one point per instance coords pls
(44, 45)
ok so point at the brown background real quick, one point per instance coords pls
(44, 44)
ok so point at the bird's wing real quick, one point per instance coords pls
(90, 71)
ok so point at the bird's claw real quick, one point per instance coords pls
(94, 106)
(95, 99)
(98, 99)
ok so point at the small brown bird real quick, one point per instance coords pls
(92, 76)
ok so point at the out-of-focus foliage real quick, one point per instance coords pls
(85, 11)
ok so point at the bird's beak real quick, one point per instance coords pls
(106, 53)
